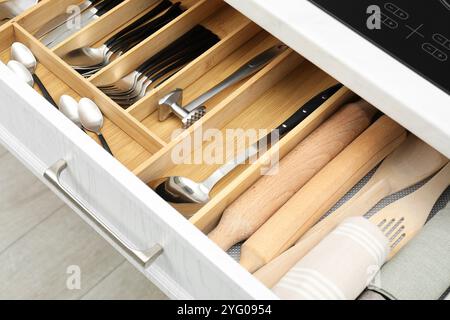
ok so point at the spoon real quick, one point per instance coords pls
(92, 120)
(23, 54)
(21, 72)
(69, 107)
(97, 57)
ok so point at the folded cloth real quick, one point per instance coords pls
(340, 267)
(421, 271)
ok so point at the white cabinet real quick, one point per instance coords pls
(189, 265)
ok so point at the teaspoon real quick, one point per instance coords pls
(23, 54)
(69, 107)
(92, 120)
(21, 72)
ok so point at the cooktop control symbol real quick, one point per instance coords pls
(388, 21)
(415, 31)
(392, 8)
(435, 52)
(442, 40)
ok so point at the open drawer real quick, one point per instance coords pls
(113, 194)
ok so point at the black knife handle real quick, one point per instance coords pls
(307, 109)
(105, 143)
(132, 38)
(44, 90)
(165, 4)
(107, 5)
(95, 2)
(196, 34)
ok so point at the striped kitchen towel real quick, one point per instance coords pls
(340, 267)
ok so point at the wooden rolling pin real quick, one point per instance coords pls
(319, 195)
(411, 163)
(251, 210)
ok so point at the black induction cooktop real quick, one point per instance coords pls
(415, 32)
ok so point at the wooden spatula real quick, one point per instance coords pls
(411, 163)
(311, 202)
(403, 219)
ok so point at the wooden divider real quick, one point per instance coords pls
(238, 101)
(105, 26)
(209, 215)
(6, 35)
(195, 69)
(134, 128)
(155, 43)
(223, 69)
(261, 102)
(43, 12)
(129, 152)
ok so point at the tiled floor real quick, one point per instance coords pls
(48, 252)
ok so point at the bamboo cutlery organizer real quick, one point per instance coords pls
(136, 136)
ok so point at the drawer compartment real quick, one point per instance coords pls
(119, 193)
(127, 150)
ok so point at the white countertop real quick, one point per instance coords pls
(389, 85)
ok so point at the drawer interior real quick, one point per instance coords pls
(136, 136)
(146, 145)
(126, 149)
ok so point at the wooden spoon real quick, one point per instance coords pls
(411, 163)
(309, 204)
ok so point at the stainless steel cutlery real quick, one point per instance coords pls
(64, 18)
(88, 60)
(63, 31)
(22, 54)
(161, 66)
(85, 114)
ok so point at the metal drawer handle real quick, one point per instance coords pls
(143, 258)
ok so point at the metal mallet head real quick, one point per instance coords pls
(172, 103)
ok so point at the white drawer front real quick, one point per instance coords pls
(190, 265)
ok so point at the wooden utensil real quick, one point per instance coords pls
(309, 204)
(411, 163)
(403, 219)
(243, 217)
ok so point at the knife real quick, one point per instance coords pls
(65, 30)
(305, 111)
(293, 121)
(63, 18)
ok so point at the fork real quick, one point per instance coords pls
(403, 219)
(129, 83)
(88, 61)
(182, 57)
(158, 74)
